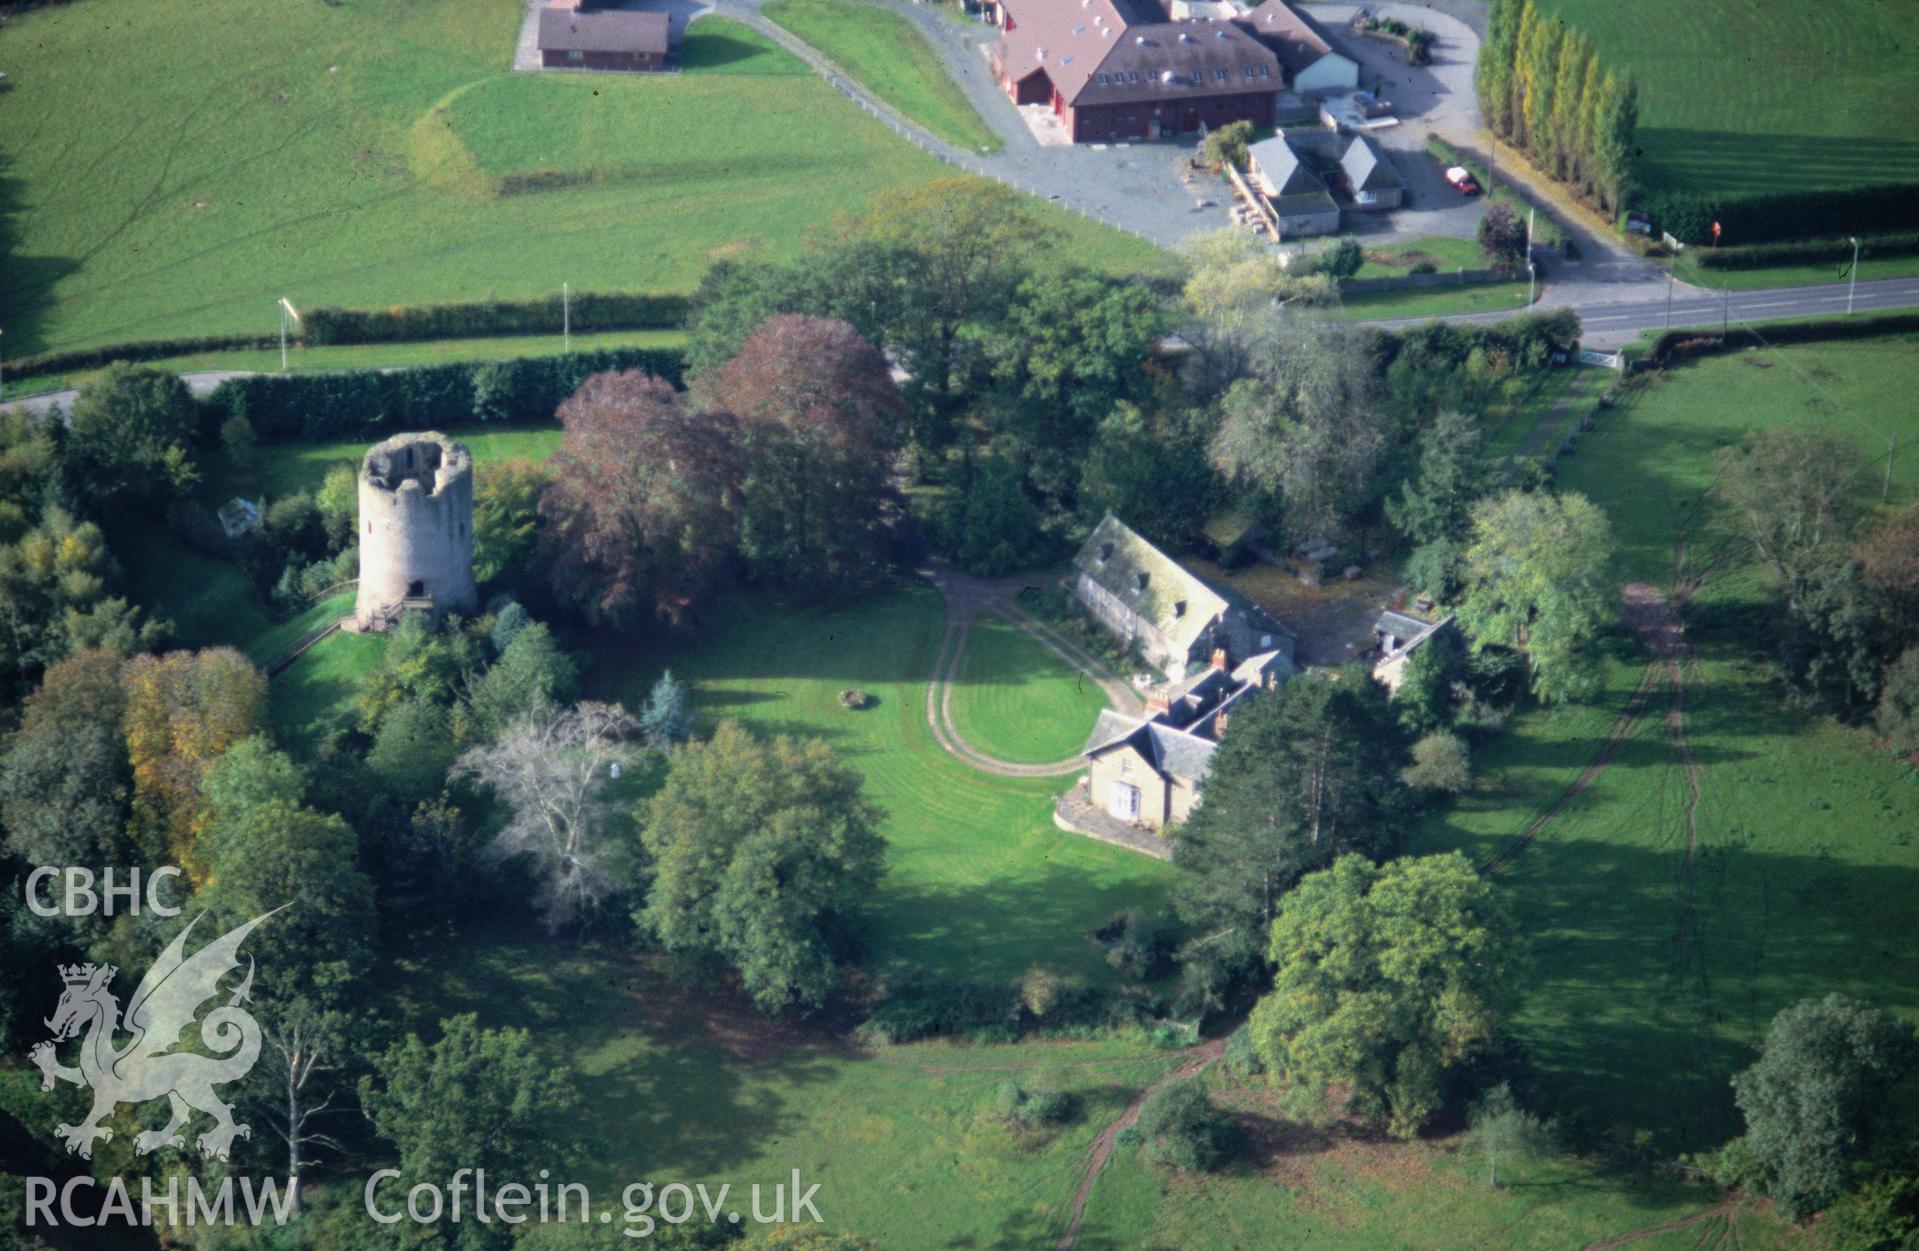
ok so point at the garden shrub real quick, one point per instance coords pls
(1139, 945)
(1180, 1127)
(1032, 1109)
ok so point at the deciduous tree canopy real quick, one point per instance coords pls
(1388, 982)
(643, 513)
(762, 852)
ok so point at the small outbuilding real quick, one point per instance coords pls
(1399, 634)
(1299, 197)
(1369, 178)
(574, 35)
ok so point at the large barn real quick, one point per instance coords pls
(575, 34)
(1111, 71)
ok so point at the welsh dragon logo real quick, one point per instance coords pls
(147, 1068)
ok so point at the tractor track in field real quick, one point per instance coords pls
(1198, 1060)
(1652, 618)
(1723, 1238)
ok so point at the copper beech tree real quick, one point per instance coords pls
(643, 514)
(820, 420)
(782, 460)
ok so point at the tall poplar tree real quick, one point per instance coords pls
(1542, 63)
(1493, 75)
(1575, 53)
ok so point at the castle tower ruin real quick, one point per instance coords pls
(416, 529)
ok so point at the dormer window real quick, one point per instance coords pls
(1139, 582)
(1179, 609)
(1105, 552)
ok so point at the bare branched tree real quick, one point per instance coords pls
(552, 771)
(301, 1050)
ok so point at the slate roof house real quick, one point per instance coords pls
(1399, 635)
(1120, 70)
(1312, 67)
(1300, 197)
(1149, 770)
(1369, 178)
(1177, 619)
(575, 34)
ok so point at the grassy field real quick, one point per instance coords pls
(887, 54)
(1488, 297)
(907, 1153)
(979, 881)
(1685, 270)
(380, 152)
(367, 356)
(1013, 699)
(1334, 1191)
(682, 1086)
(1695, 888)
(1742, 98)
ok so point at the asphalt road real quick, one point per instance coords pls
(1614, 324)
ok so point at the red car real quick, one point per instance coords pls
(1462, 181)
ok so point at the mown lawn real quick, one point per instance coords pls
(1015, 700)
(1737, 97)
(379, 153)
(979, 881)
(1489, 297)
(284, 468)
(891, 59)
(1665, 944)
(1396, 259)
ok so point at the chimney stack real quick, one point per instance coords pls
(1219, 659)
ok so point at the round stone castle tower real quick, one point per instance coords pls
(416, 529)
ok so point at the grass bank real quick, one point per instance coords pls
(892, 59)
(379, 153)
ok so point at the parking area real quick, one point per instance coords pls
(1437, 97)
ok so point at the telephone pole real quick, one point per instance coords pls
(1853, 289)
(287, 313)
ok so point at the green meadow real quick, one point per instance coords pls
(1742, 98)
(380, 152)
(1746, 855)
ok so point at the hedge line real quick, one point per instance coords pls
(1546, 231)
(1688, 215)
(147, 350)
(1677, 345)
(366, 403)
(1805, 251)
(589, 312)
